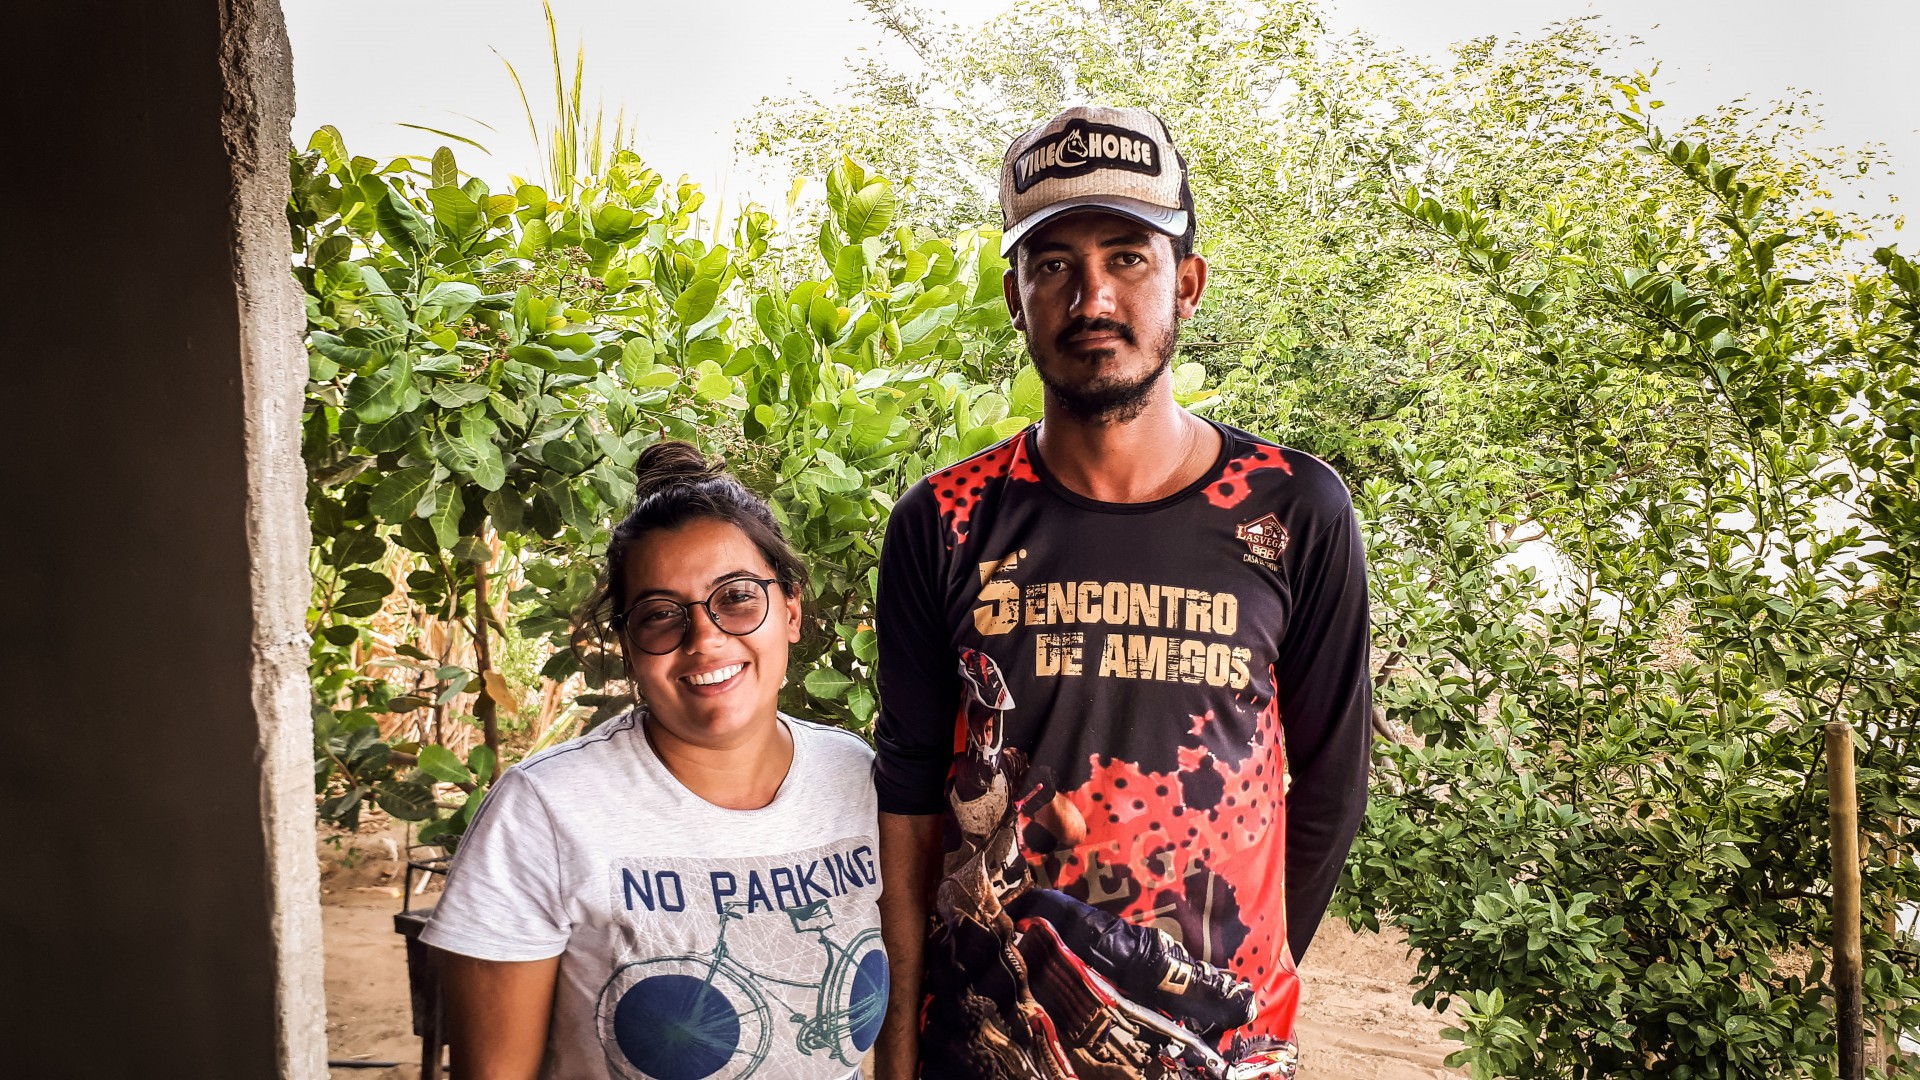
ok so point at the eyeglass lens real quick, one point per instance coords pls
(737, 607)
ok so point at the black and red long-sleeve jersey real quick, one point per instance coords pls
(1193, 671)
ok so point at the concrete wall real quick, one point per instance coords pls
(158, 901)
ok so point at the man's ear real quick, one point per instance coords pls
(1190, 280)
(1010, 287)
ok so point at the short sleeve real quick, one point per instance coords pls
(919, 684)
(503, 894)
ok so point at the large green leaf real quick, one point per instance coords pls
(1029, 394)
(610, 220)
(567, 456)
(407, 802)
(476, 435)
(445, 172)
(559, 361)
(319, 368)
(573, 509)
(400, 224)
(336, 349)
(870, 211)
(917, 328)
(363, 591)
(481, 762)
(395, 497)
(455, 212)
(390, 390)
(455, 395)
(440, 763)
(448, 301)
(696, 300)
(849, 270)
(332, 249)
(713, 384)
(390, 434)
(506, 509)
(448, 505)
(828, 684)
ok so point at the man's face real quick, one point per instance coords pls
(1100, 298)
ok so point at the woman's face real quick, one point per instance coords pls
(715, 689)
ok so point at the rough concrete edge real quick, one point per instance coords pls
(256, 122)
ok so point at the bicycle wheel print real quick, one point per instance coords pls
(679, 1018)
(853, 998)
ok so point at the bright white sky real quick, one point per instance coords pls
(687, 72)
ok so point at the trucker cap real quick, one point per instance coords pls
(1092, 157)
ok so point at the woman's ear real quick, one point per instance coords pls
(793, 617)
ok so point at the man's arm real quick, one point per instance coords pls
(497, 1015)
(907, 862)
(1326, 698)
(913, 750)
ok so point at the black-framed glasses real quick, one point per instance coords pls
(657, 625)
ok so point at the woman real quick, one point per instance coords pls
(689, 891)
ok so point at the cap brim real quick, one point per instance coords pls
(1159, 218)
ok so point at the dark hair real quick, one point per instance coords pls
(675, 484)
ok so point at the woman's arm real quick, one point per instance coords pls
(497, 1015)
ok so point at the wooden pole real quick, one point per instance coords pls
(1843, 816)
(484, 707)
(1887, 1051)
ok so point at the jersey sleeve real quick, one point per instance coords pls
(1325, 691)
(919, 684)
(503, 899)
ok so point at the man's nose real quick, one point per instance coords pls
(1097, 295)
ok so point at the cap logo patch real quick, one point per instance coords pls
(1081, 148)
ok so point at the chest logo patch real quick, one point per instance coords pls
(1264, 536)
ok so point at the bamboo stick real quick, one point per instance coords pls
(484, 707)
(1843, 817)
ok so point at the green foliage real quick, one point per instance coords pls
(1610, 842)
(486, 368)
(1633, 434)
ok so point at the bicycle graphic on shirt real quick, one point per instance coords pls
(706, 1015)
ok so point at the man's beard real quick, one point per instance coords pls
(1106, 401)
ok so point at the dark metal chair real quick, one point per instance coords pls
(423, 973)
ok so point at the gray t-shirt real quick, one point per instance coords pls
(694, 941)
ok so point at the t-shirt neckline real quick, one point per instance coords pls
(1074, 498)
(786, 793)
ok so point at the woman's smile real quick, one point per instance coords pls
(715, 680)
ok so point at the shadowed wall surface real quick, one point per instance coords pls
(154, 580)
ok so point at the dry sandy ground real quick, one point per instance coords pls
(1356, 1020)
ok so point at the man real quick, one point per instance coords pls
(1173, 613)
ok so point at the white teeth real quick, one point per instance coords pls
(719, 675)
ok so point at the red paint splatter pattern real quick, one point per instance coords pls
(1233, 487)
(957, 488)
(1202, 847)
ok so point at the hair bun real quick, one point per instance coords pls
(669, 464)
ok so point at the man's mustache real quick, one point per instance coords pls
(1083, 325)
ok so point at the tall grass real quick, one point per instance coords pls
(573, 150)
